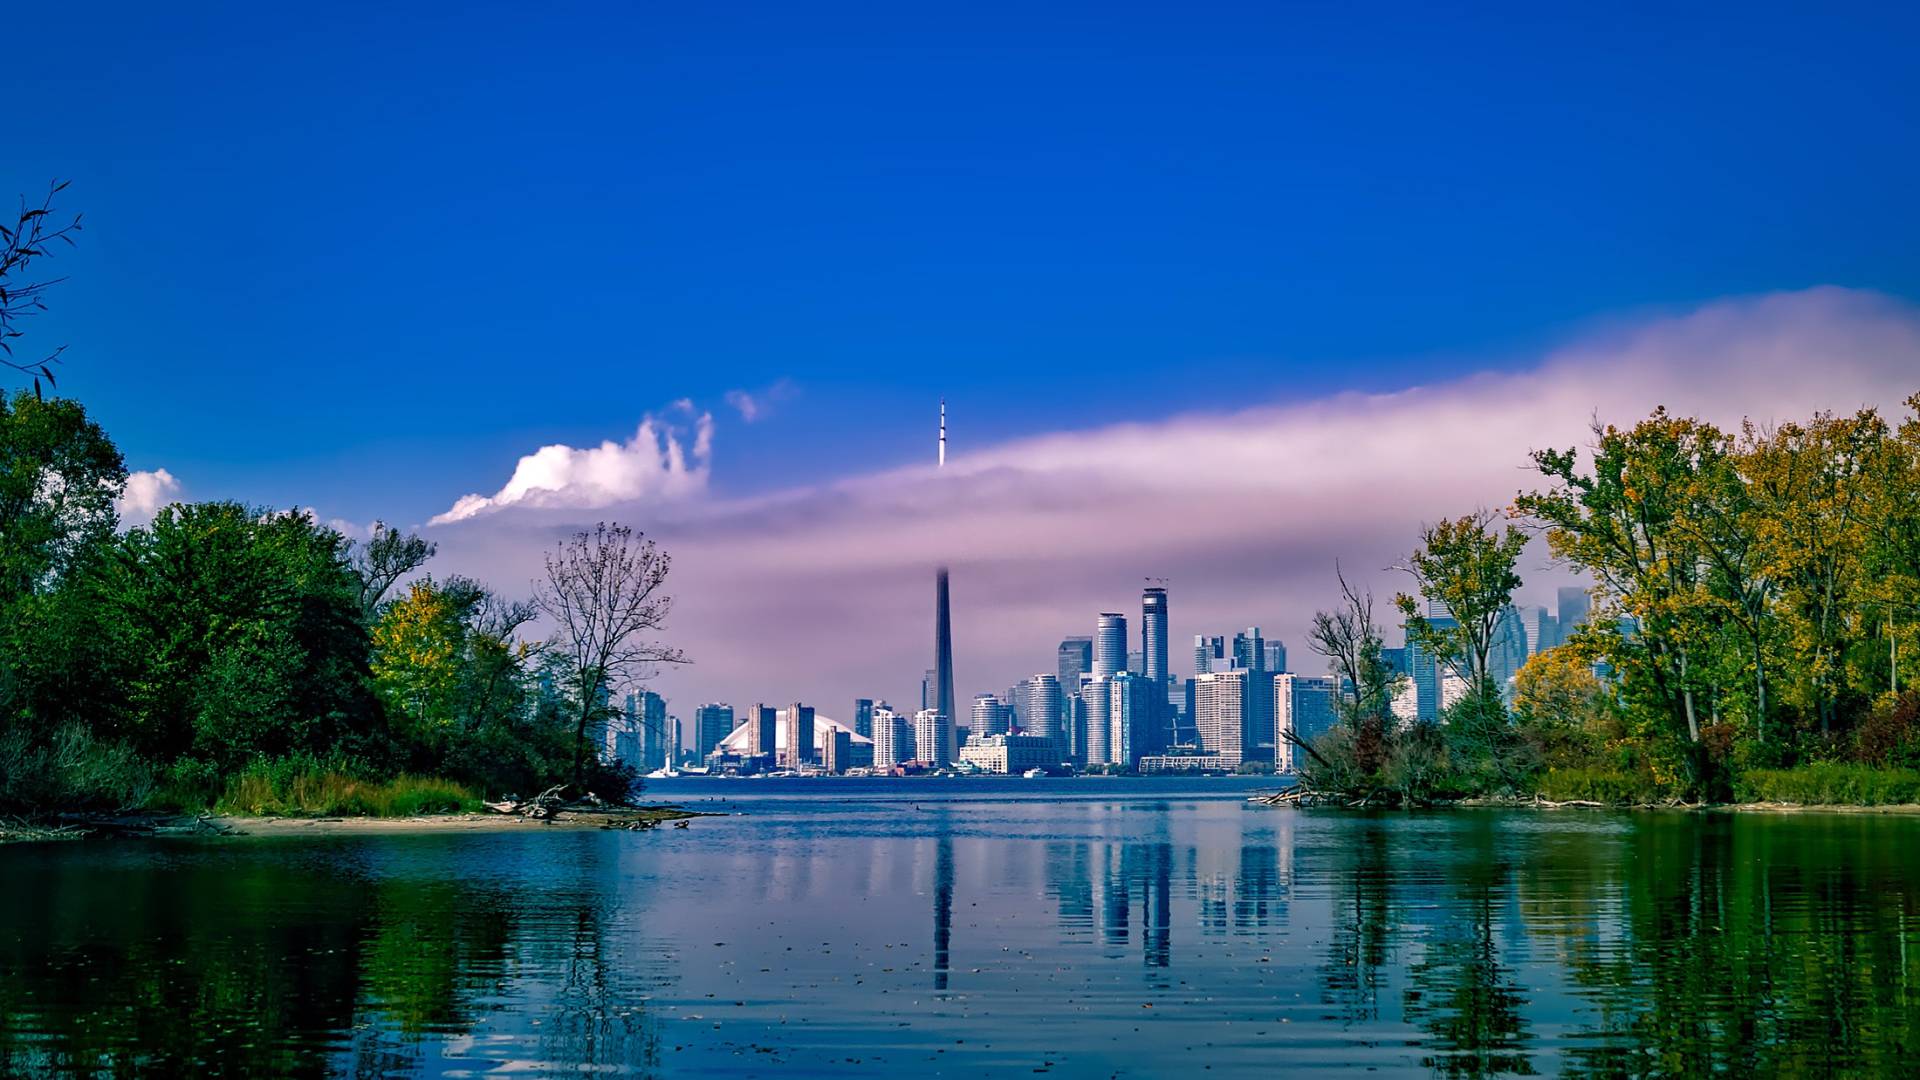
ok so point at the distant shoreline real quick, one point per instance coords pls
(222, 826)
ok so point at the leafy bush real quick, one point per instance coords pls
(1890, 734)
(1573, 784)
(1830, 784)
(71, 771)
(300, 788)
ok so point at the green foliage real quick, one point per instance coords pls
(1468, 567)
(1595, 784)
(1830, 783)
(306, 787)
(73, 770)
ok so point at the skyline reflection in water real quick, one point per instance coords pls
(1076, 927)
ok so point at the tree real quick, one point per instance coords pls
(1466, 566)
(386, 557)
(28, 240)
(59, 476)
(603, 592)
(1350, 640)
(1623, 520)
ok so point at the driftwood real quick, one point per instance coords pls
(541, 807)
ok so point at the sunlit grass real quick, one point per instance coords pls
(1830, 784)
(326, 793)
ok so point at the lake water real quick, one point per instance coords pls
(962, 927)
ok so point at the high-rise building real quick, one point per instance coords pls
(1536, 627)
(1209, 654)
(1098, 697)
(762, 740)
(646, 718)
(1220, 716)
(1276, 655)
(1250, 655)
(892, 737)
(1153, 634)
(798, 720)
(711, 723)
(1073, 719)
(1575, 604)
(836, 750)
(863, 717)
(990, 717)
(1305, 706)
(929, 689)
(1076, 658)
(1110, 645)
(933, 738)
(1044, 708)
(1131, 719)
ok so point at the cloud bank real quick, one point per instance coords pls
(825, 593)
(652, 465)
(146, 492)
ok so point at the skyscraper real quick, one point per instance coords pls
(1132, 717)
(863, 717)
(932, 738)
(1276, 656)
(1153, 633)
(1219, 714)
(1207, 654)
(990, 717)
(892, 738)
(762, 739)
(1044, 708)
(1574, 604)
(1076, 658)
(711, 723)
(1098, 696)
(799, 724)
(1303, 705)
(943, 635)
(1110, 645)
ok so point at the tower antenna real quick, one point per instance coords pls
(943, 433)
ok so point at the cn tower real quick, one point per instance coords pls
(943, 642)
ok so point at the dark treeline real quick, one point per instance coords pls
(1756, 596)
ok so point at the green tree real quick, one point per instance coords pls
(1468, 566)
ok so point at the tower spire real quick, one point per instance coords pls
(943, 433)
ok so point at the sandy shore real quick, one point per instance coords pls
(451, 823)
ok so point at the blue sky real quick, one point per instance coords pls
(320, 244)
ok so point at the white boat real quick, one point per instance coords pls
(1034, 774)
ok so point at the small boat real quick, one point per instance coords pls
(1034, 774)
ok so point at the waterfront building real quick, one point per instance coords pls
(990, 716)
(1131, 718)
(763, 736)
(932, 738)
(1045, 705)
(1183, 763)
(1097, 701)
(892, 738)
(711, 723)
(1250, 655)
(1073, 744)
(1011, 753)
(863, 717)
(836, 750)
(1076, 659)
(1110, 645)
(797, 722)
(1220, 715)
(1305, 706)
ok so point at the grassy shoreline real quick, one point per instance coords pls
(167, 826)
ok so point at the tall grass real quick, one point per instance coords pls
(1829, 784)
(1598, 785)
(273, 790)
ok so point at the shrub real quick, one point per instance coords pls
(1890, 733)
(1576, 784)
(1830, 784)
(73, 771)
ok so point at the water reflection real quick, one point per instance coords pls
(1131, 936)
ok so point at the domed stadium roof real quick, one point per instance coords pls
(741, 740)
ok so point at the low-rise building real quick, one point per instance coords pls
(1010, 753)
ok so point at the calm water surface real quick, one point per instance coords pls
(1135, 928)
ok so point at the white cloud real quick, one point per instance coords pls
(146, 492)
(825, 593)
(653, 465)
